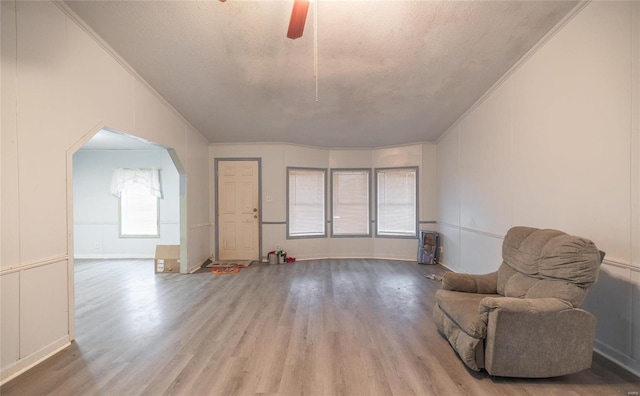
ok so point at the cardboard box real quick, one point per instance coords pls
(167, 258)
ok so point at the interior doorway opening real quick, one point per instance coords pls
(108, 219)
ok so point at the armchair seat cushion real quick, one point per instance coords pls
(463, 310)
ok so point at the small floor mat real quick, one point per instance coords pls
(233, 263)
(227, 269)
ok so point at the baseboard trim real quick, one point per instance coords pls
(112, 256)
(620, 359)
(353, 258)
(33, 360)
(446, 266)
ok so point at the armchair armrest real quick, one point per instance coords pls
(536, 337)
(522, 305)
(484, 284)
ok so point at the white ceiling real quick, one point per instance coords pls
(389, 72)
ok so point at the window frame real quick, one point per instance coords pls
(369, 203)
(324, 209)
(120, 233)
(417, 203)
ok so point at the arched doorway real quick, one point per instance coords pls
(95, 215)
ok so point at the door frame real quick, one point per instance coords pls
(217, 204)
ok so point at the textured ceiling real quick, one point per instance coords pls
(389, 72)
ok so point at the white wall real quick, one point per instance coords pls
(275, 158)
(556, 145)
(95, 209)
(60, 85)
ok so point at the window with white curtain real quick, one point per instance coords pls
(138, 212)
(350, 202)
(139, 192)
(396, 202)
(306, 206)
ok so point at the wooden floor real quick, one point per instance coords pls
(349, 327)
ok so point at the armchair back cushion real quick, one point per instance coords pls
(547, 263)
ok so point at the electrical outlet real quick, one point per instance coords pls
(96, 245)
(269, 198)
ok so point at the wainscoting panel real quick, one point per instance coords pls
(480, 253)
(635, 322)
(351, 247)
(198, 245)
(44, 306)
(614, 300)
(9, 319)
(450, 244)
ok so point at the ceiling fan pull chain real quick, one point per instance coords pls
(315, 44)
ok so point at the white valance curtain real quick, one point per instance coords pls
(123, 177)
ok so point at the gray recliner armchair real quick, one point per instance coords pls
(524, 320)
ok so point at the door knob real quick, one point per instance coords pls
(255, 209)
(255, 216)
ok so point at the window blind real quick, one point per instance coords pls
(306, 202)
(350, 202)
(396, 202)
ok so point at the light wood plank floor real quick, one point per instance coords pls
(349, 327)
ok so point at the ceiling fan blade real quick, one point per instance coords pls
(298, 18)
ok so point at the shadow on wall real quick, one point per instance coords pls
(614, 301)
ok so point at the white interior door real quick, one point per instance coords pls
(238, 217)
